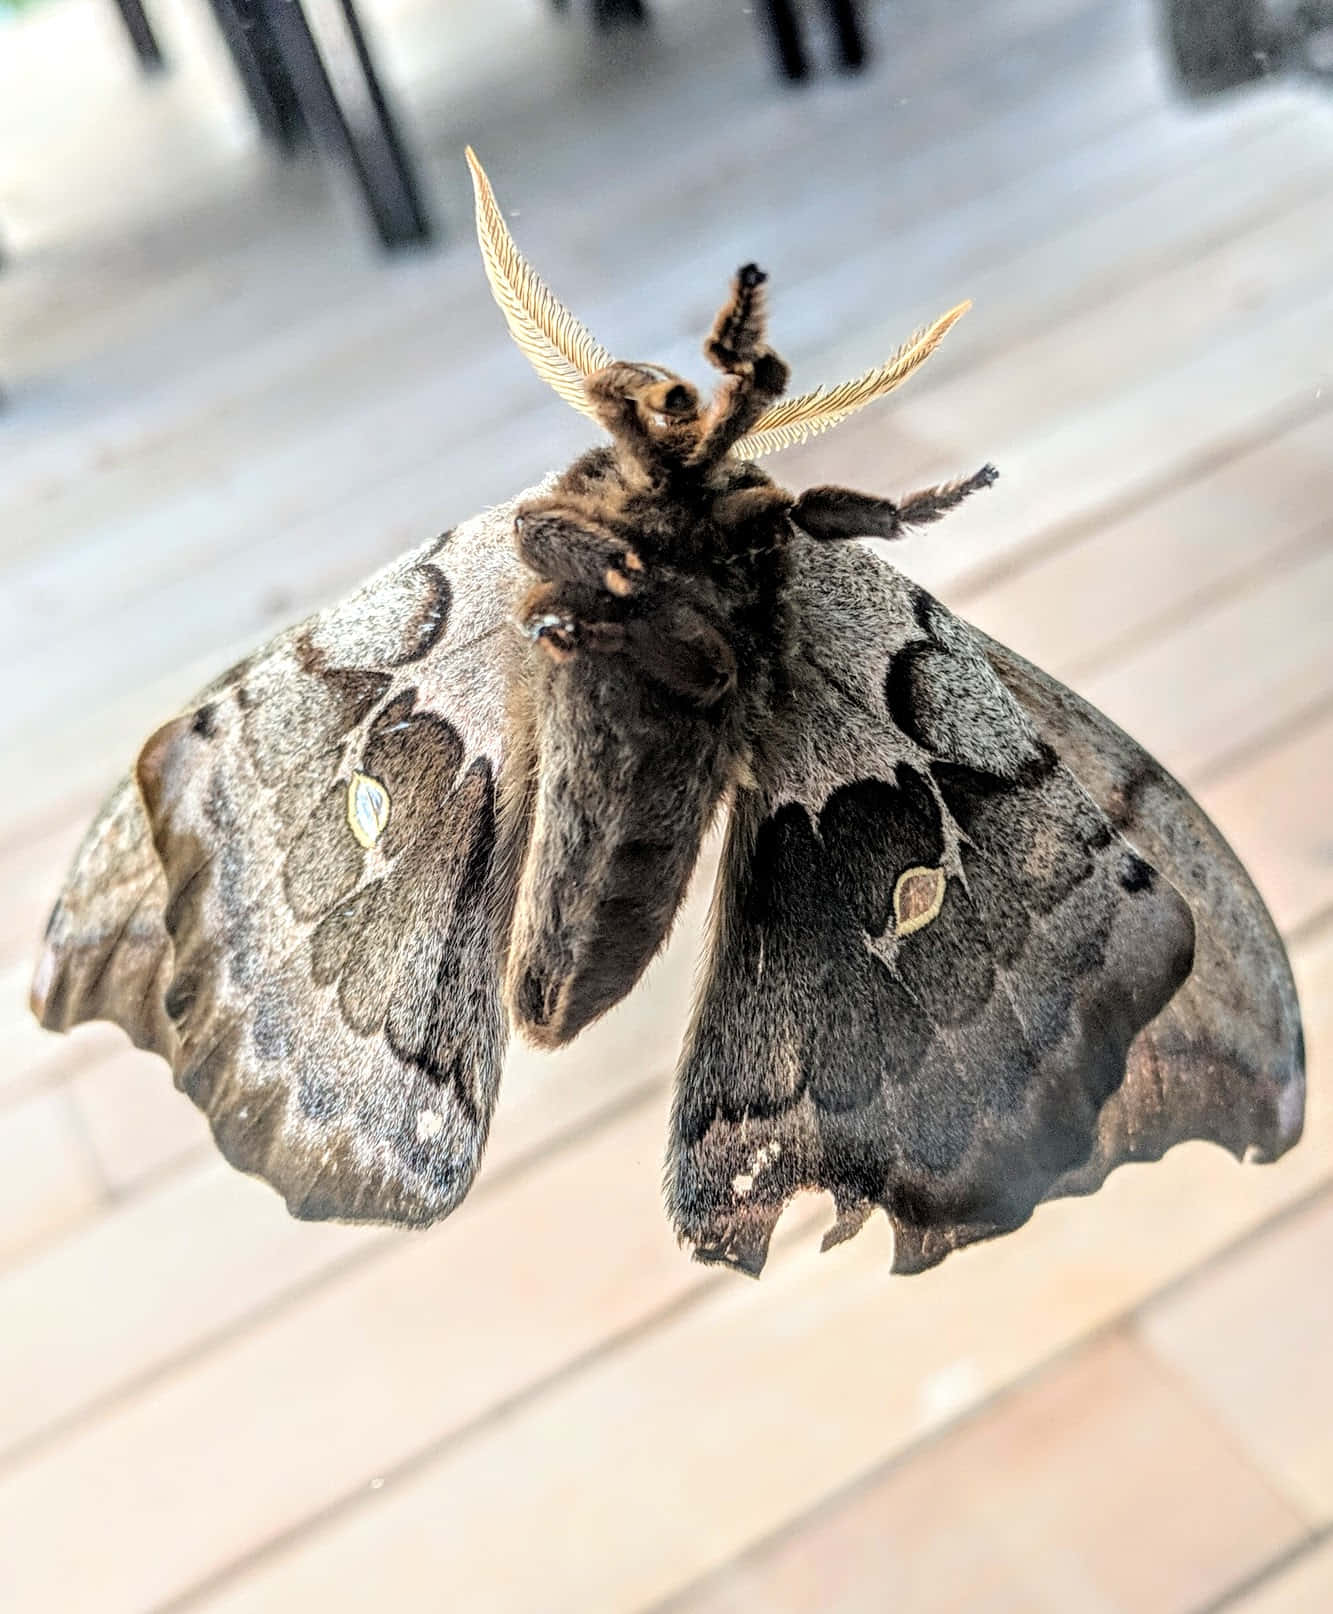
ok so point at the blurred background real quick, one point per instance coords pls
(225, 402)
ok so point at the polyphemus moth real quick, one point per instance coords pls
(972, 947)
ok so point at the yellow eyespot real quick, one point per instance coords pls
(367, 808)
(917, 899)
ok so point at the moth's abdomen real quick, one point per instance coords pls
(616, 827)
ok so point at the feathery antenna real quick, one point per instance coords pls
(563, 352)
(794, 419)
(558, 347)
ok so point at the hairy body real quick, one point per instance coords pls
(658, 630)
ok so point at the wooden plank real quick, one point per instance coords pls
(1100, 1486)
(823, 1370)
(1232, 674)
(132, 1119)
(1253, 1338)
(1148, 571)
(801, 1383)
(47, 1179)
(1274, 811)
(163, 1276)
(1080, 422)
(1303, 1586)
(157, 1277)
(382, 1334)
(31, 867)
(33, 1058)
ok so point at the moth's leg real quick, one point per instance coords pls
(678, 648)
(652, 414)
(567, 619)
(737, 337)
(675, 646)
(838, 513)
(753, 374)
(570, 549)
(748, 506)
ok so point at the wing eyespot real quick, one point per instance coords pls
(918, 897)
(367, 809)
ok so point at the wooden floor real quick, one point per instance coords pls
(223, 408)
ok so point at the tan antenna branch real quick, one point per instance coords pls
(557, 346)
(563, 352)
(792, 420)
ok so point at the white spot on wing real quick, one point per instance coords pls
(430, 1123)
(763, 1157)
(367, 808)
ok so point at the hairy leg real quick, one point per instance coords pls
(751, 506)
(753, 374)
(575, 549)
(838, 513)
(674, 646)
(566, 619)
(652, 414)
(678, 648)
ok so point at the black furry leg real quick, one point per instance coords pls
(568, 619)
(754, 376)
(839, 513)
(737, 336)
(680, 650)
(575, 549)
(919, 509)
(674, 646)
(652, 414)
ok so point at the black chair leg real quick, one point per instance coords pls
(611, 13)
(392, 150)
(259, 66)
(785, 27)
(376, 157)
(142, 37)
(847, 34)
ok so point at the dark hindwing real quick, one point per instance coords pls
(294, 906)
(936, 955)
(1225, 1059)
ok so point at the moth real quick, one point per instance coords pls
(971, 947)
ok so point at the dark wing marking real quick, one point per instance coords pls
(935, 957)
(292, 899)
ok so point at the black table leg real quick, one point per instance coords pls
(142, 37)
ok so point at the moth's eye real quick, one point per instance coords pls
(677, 400)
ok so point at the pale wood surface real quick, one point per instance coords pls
(223, 409)
(1302, 1587)
(1101, 1470)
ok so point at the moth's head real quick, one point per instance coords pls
(664, 405)
(661, 427)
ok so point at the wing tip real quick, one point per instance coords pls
(740, 1241)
